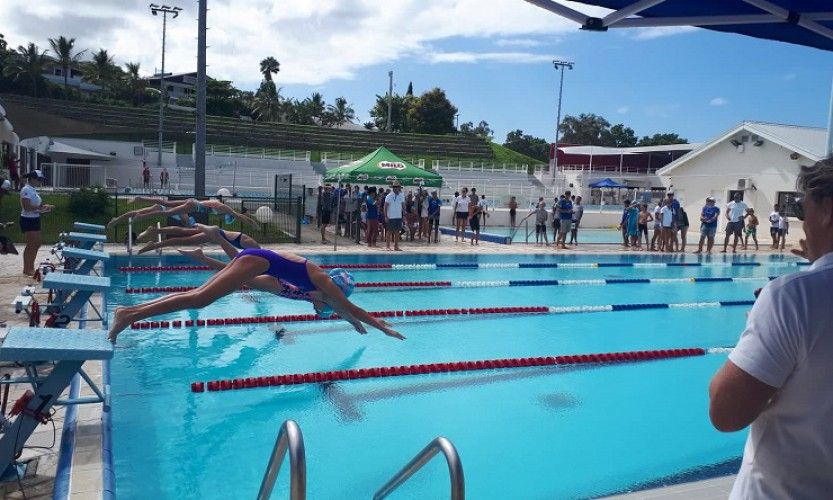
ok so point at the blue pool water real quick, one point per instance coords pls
(523, 433)
(608, 236)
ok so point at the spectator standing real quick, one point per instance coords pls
(735, 211)
(326, 202)
(783, 228)
(422, 206)
(578, 213)
(434, 204)
(667, 215)
(163, 178)
(461, 214)
(145, 175)
(774, 217)
(565, 218)
(708, 225)
(32, 207)
(484, 208)
(372, 213)
(642, 226)
(474, 222)
(778, 376)
(541, 224)
(751, 228)
(513, 210)
(682, 226)
(656, 239)
(623, 224)
(394, 210)
(351, 207)
(633, 223)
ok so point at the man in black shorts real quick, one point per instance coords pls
(325, 209)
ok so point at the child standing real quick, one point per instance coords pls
(751, 228)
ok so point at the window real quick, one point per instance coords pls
(785, 201)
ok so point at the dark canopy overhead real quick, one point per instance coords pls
(802, 22)
(607, 183)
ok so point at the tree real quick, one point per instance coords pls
(399, 107)
(534, 147)
(662, 139)
(135, 83)
(587, 129)
(410, 91)
(619, 136)
(316, 106)
(63, 48)
(432, 113)
(267, 102)
(341, 111)
(101, 70)
(269, 66)
(481, 130)
(28, 62)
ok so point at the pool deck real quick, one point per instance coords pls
(86, 480)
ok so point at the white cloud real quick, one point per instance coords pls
(475, 57)
(718, 101)
(314, 41)
(660, 31)
(518, 42)
(622, 110)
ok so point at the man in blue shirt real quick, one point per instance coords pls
(565, 216)
(434, 204)
(708, 225)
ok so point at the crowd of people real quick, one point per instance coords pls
(372, 214)
(567, 212)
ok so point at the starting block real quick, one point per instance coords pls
(90, 228)
(85, 241)
(68, 350)
(72, 292)
(82, 261)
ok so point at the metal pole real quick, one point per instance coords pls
(390, 101)
(828, 150)
(559, 65)
(199, 163)
(162, 90)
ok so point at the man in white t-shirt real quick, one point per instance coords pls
(394, 208)
(735, 212)
(779, 377)
(774, 217)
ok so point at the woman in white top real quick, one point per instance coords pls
(31, 208)
(461, 214)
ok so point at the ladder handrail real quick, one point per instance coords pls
(289, 438)
(455, 469)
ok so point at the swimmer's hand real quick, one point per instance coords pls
(390, 332)
(358, 326)
(802, 252)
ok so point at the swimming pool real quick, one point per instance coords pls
(560, 432)
(585, 236)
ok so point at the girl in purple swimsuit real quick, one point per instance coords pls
(284, 274)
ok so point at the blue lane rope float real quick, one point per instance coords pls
(418, 285)
(477, 311)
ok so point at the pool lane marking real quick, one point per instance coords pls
(410, 285)
(447, 367)
(492, 265)
(478, 311)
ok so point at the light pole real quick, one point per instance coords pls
(174, 12)
(559, 65)
(457, 122)
(390, 101)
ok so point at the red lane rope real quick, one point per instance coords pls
(292, 318)
(459, 366)
(367, 284)
(151, 269)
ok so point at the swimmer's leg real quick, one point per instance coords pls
(194, 239)
(176, 231)
(198, 255)
(135, 215)
(213, 234)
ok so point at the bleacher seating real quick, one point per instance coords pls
(140, 122)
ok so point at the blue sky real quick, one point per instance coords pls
(696, 83)
(493, 59)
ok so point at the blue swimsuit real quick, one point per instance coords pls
(282, 269)
(236, 243)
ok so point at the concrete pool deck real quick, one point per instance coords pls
(86, 480)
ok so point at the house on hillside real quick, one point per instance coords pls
(53, 72)
(759, 160)
(178, 85)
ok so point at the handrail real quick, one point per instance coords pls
(455, 469)
(289, 438)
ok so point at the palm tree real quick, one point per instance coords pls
(101, 70)
(267, 102)
(341, 111)
(316, 105)
(27, 62)
(134, 82)
(66, 58)
(268, 66)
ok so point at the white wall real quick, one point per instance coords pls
(716, 172)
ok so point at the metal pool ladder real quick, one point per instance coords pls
(289, 438)
(455, 469)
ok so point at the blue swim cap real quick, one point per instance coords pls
(229, 219)
(345, 282)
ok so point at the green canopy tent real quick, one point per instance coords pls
(383, 167)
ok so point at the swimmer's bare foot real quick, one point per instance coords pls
(147, 235)
(196, 254)
(121, 320)
(148, 248)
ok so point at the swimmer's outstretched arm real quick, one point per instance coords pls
(349, 311)
(213, 235)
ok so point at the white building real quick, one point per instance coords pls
(759, 160)
(177, 85)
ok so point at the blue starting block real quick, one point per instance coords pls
(90, 228)
(72, 291)
(85, 240)
(81, 261)
(68, 350)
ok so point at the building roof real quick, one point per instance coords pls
(809, 142)
(603, 150)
